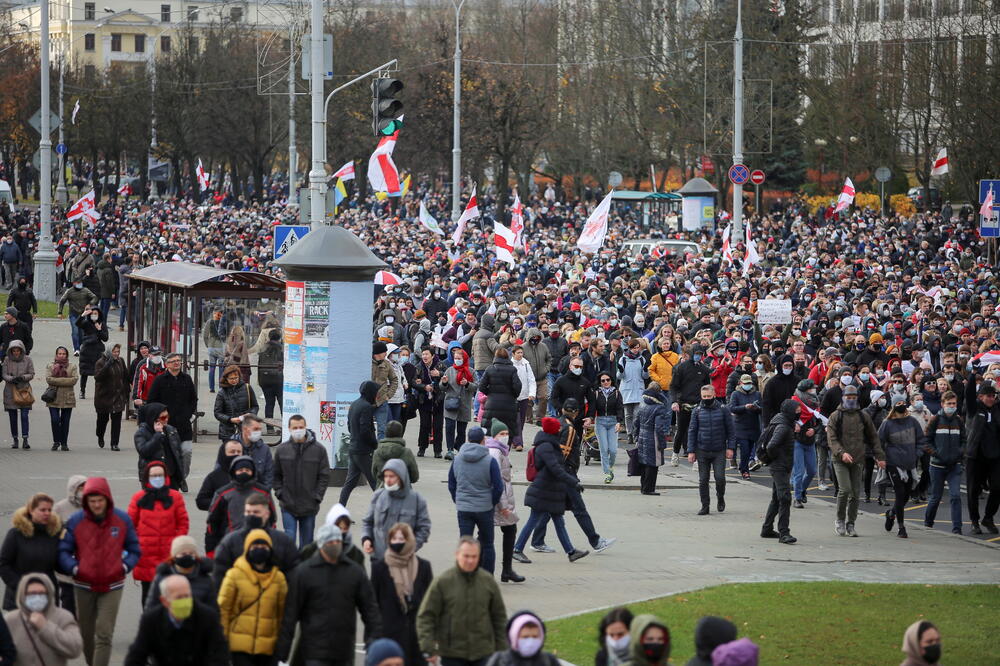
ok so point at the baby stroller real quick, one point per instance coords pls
(590, 445)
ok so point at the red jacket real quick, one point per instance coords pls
(156, 526)
(721, 371)
(98, 554)
(144, 377)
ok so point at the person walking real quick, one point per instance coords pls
(234, 399)
(901, 437)
(175, 389)
(111, 391)
(252, 603)
(214, 333)
(458, 387)
(850, 434)
(99, 547)
(505, 513)
(946, 437)
(227, 511)
(65, 508)
(178, 629)
(145, 373)
(804, 461)
(301, 477)
(400, 581)
(158, 513)
(61, 375)
(783, 427)
(501, 386)
(18, 371)
(744, 403)
(236, 352)
(393, 446)
(219, 476)
(685, 390)
(395, 502)
(387, 381)
(77, 297)
(258, 514)
(462, 619)
(430, 404)
(525, 398)
(609, 415)
(484, 345)
(30, 546)
(22, 299)
(526, 636)
(157, 441)
(540, 359)
(711, 442)
(251, 435)
(93, 335)
(186, 561)
(476, 487)
(982, 455)
(12, 329)
(270, 373)
(43, 633)
(633, 374)
(652, 427)
(361, 426)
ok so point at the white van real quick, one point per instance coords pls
(671, 246)
(6, 194)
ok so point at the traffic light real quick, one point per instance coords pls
(385, 107)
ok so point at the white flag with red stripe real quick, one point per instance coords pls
(846, 197)
(596, 229)
(383, 176)
(986, 210)
(84, 208)
(504, 240)
(751, 257)
(471, 212)
(940, 167)
(344, 173)
(727, 252)
(517, 221)
(202, 176)
(125, 190)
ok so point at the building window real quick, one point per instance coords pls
(920, 9)
(116, 42)
(235, 14)
(893, 10)
(165, 44)
(140, 43)
(193, 43)
(192, 14)
(89, 72)
(88, 42)
(164, 13)
(868, 10)
(89, 11)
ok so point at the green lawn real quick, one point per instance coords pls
(813, 623)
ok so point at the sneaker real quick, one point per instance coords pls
(746, 476)
(850, 530)
(732, 463)
(754, 466)
(976, 529)
(989, 526)
(839, 528)
(76, 353)
(450, 455)
(956, 530)
(603, 544)
(822, 486)
(798, 504)
(544, 548)
(902, 533)
(578, 555)
(694, 466)
(519, 556)
(787, 539)
(674, 460)
(608, 478)
(768, 533)
(890, 520)
(929, 524)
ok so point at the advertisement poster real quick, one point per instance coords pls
(316, 309)
(292, 400)
(294, 306)
(333, 433)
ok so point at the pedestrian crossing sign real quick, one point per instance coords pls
(285, 236)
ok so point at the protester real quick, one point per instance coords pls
(43, 633)
(613, 638)
(301, 477)
(234, 400)
(901, 436)
(709, 633)
(851, 434)
(145, 373)
(387, 382)
(921, 644)
(65, 508)
(781, 453)
(22, 299)
(251, 435)
(504, 514)
(30, 546)
(226, 513)
(400, 581)
(609, 415)
(744, 403)
(270, 374)
(395, 502)
(526, 398)
(159, 515)
(429, 402)
(711, 441)
(459, 389)
(111, 392)
(219, 476)
(61, 376)
(18, 371)
(652, 428)
(258, 514)
(185, 561)
(157, 441)
(982, 456)
(526, 635)
(93, 334)
(394, 447)
(214, 334)
(650, 641)
(175, 389)
(78, 298)
(364, 441)
(946, 437)
(476, 487)
(742, 652)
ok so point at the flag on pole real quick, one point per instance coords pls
(751, 254)
(940, 167)
(76, 110)
(428, 220)
(504, 240)
(846, 197)
(339, 194)
(383, 176)
(84, 208)
(986, 210)
(727, 252)
(345, 172)
(517, 221)
(125, 190)
(471, 212)
(202, 176)
(596, 229)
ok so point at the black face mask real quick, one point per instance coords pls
(185, 561)
(253, 522)
(258, 555)
(932, 653)
(654, 651)
(397, 547)
(243, 478)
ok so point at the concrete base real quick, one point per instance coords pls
(45, 276)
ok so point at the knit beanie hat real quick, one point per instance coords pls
(551, 425)
(497, 427)
(382, 649)
(181, 543)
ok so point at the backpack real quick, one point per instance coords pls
(530, 471)
(269, 365)
(760, 449)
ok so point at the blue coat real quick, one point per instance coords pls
(746, 422)
(632, 376)
(711, 429)
(652, 422)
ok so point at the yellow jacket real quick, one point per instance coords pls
(252, 603)
(661, 368)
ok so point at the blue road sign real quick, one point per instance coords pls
(61, 149)
(989, 227)
(739, 174)
(285, 236)
(985, 186)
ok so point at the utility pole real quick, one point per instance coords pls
(456, 151)
(45, 256)
(738, 120)
(154, 189)
(293, 156)
(61, 195)
(317, 174)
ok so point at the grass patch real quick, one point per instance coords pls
(46, 309)
(813, 623)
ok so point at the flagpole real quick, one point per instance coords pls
(44, 284)
(293, 156)
(456, 151)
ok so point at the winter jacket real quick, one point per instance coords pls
(610, 404)
(781, 444)
(164, 446)
(16, 331)
(385, 377)
(156, 524)
(108, 278)
(465, 395)
(218, 477)
(946, 439)
(231, 402)
(558, 349)
(390, 448)
(500, 453)
(981, 440)
(745, 421)
(638, 627)
(226, 513)
(778, 389)
(68, 505)
(527, 378)
(285, 554)
(200, 579)
(501, 386)
(721, 369)
(403, 505)
(474, 479)
(632, 376)
(652, 424)
(56, 643)
(261, 454)
(484, 343)
(593, 366)
(301, 475)
(537, 355)
(199, 641)
(111, 384)
(463, 616)
(77, 299)
(399, 623)
(851, 431)
(98, 554)
(361, 419)
(572, 386)
(65, 397)
(547, 491)
(77, 265)
(252, 603)
(901, 439)
(20, 371)
(687, 380)
(661, 368)
(91, 342)
(145, 373)
(25, 302)
(28, 548)
(711, 428)
(324, 599)
(180, 396)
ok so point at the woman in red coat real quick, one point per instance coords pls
(159, 515)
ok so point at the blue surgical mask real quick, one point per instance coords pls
(459, 361)
(157, 481)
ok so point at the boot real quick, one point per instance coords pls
(508, 575)
(83, 394)
(55, 446)
(100, 442)
(24, 443)
(64, 446)
(14, 445)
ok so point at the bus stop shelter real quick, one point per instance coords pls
(650, 208)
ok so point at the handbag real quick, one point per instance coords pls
(633, 461)
(23, 397)
(49, 395)
(452, 403)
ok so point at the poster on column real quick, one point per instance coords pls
(315, 350)
(291, 402)
(333, 433)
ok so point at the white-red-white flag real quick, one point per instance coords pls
(344, 173)
(846, 197)
(727, 252)
(202, 176)
(596, 229)
(504, 240)
(383, 176)
(986, 210)
(940, 167)
(471, 212)
(517, 221)
(125, 190)
(84, 208)
(751, 257)
(387, 278)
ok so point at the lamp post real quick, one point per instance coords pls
(293, 156)
(738, 119)
(317, 172)
(456, 151)
(61, 195)
(821, 145)
(45, 256)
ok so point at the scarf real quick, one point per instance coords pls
(403, 570)
(153, 495)
(606, 390)
(59, 368)
(463, 371)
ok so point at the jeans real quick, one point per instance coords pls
(746, 448)
(523, 411)
(12, 413)
(630, 410)
(122, 310)
(272, 395)
(574, 500)
(953, 475)
(116, 426)
(848, 489)
(607, 440)
(187, 450)
(803, 468)
(306, 527)
(60, 424)
(74, 332)
(537, 519)
(553, 377)
(454, 433)
(711, 461)
(215, 361)
(396, 411)
(381, 419)
(357, 464)
(104, 306)
(96, 614)
(781, 500)
(469, 521)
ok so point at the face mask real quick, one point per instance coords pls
(503, 439)
(529, 647)
(535, 340)
(851, 403)
(554, 334)
(392, 487)
(760, 367)
(860, 346)
(576, 371)
(918, 404)
(899, 409)
(707, 402)
(95, 317)
(332, 549)
(299, 434)
(950, 377)
(932, 654)
(157, 481)
(389, 320)
(182, 608)
(187, 560)
(846, 380)
(949, 411)
(404, 359)
(696, 358)
(255, 435)
(253, 522)
(881, 402)
(36, 603)
(786, 371)
(243, 477)
(864, 376)
(617, 644)
(746, 387)
(155, 359)
(258, 555)
(459, 362)
(397, 547)
(78, 285)
(654, 651)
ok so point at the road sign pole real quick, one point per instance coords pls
(61, 196)
(317, 174)
(738, 119)
(45, 257)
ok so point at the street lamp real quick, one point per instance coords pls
(45, 256)
(456, 151)
(821, 145)
(61, 195)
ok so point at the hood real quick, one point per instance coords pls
(911, 641)
(517, 622)
(17, 344)
(149, 412)
(425, 325)
(232, 466)
(472, 452)
(810, 400)
(488, 322)
(144, 474)
(256, 535)
(652, 397)
(22, 522)
(50, 590)
(787, 358)
(97, 485)
(452, 345)
(221, 459)
(639, 625)
(388, 312)
(399, 467)
(72, 484)
(711, 632)
(336, 512)
(789, 408)
(369, 390)
(531, 334)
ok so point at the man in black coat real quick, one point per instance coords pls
(179, 631)
(685, 389)
(175, 389)
(780, 448)
(572, 385)
(501, 386)
(23, 299)
(360, 424)
(14, 329)
(779, 388)
(256, 516)
(325, 594)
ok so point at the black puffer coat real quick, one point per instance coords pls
(164, 445)
(781, 445)
(230, 402)
(548, 491)
(111, 384)
(501, 386)
(91, 342)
